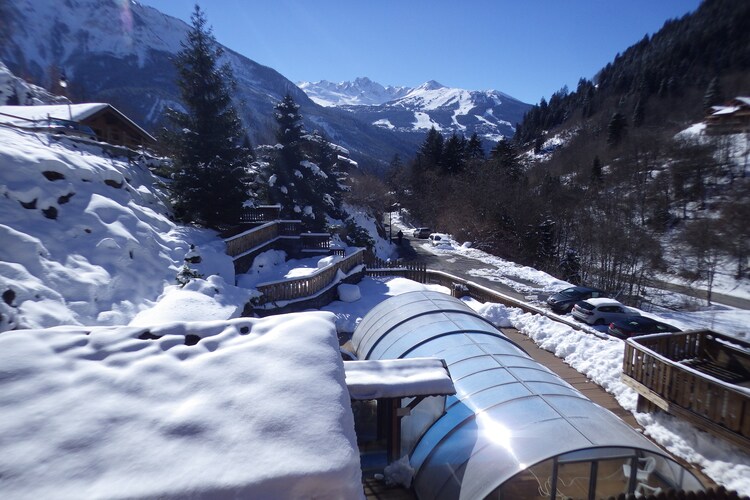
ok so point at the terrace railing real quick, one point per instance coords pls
(308, 286)
(700, 376)
(262, 213)
(252, 238)
(409, 270)
(315, 241)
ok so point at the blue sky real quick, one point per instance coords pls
(525, 48)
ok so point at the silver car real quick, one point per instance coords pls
(601, 311)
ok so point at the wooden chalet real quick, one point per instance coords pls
(733, 118)
(105, 121)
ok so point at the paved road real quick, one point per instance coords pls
(411, 250)
(717, 298)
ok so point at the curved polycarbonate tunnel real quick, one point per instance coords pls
(514, 429)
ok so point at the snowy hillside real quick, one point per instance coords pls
(86, 239)
(15, 91)
(490, 114)
(360, 92)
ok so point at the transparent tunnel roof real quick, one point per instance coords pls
(509, 412)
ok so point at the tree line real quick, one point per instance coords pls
(601, 215)
(216, 172)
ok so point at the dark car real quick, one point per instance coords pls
(632, 326)
(422, 232)
(563, 302)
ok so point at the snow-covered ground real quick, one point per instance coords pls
(173, 405)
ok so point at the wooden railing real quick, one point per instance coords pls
(262, 213)
(459, 287)
(315, 241)
(410, 270)
(247, 240)
(307, 286)
(682, 373)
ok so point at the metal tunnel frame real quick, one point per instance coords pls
(514, 428)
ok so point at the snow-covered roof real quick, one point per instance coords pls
(74, 112)
(736, 104)
(21, 115)
(398, 378)
(724, 110)
(182, 410)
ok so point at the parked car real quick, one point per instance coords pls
(562, 302)
(600, 311)
(632, 326)
(422, 232)
(437, 239)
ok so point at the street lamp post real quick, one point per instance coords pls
(64, 84)
(390, 225)
(390, 220)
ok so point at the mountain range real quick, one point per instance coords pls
(490, 114)
(121, 53)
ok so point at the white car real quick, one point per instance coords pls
(437, 239)
(601, 311)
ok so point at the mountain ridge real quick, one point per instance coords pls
(490, 114)
(129, 64)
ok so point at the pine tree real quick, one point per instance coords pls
(329, 180)
(303, 174)
(431, 150)
(211, 157)
(454, 155)
(638, 113)
(616, 129)
(474, 150)
(285, 171)
(714, 94)
(504, 157)
(596, 171)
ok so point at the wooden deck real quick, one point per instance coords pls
(697, 376)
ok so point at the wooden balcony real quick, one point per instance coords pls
(700, 376)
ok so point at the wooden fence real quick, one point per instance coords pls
(410, 270)
(307, 286)
(315, 241)
(459, 287)
(686, 375)
(247, 240)
(262, 213)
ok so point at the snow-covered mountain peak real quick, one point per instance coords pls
(490, 114)
(360, 92)
(431, 85)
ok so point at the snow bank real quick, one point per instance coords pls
(86, 238)
(199, 300)
(199, 410)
